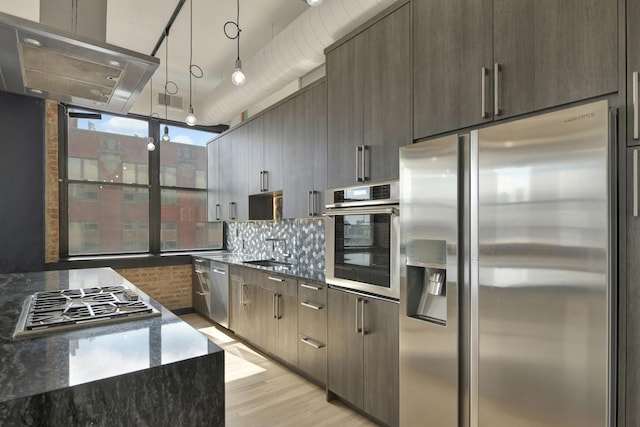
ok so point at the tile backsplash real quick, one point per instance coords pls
(299, 241)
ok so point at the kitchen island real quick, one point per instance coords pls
(145, 372)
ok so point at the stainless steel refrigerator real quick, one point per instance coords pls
(507, 280)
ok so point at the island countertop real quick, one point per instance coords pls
(150, 349)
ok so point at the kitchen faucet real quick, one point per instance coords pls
(273, 241)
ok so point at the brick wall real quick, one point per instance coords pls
(170, 286)
(51, 207)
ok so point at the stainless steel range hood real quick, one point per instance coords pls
(47, 62)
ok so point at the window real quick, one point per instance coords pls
(110, 203)
(183, 190)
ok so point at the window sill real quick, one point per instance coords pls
(125, 261)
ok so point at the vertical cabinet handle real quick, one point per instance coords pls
(279, 306)
(242, 301)
(635, 182)
(310, 202)
(275, 296)
(261, 180)
(264, 180)
(362, 320)
(496, 89)
(358, 163)
(358, 329)
(217, 211)
(365, 177)
(232, 210)
(635, 105)
(485, 73)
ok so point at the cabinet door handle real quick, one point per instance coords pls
(635, 182)
(306, 286)
(364, 330)
(309, 203)
(275, 279)
(311, 305)
(265, 180)
(275, 316)
(261, 181)
(365, 177)
(485, 73)
(232, 210)
(242, 301)
(200, 293)
(279, 306)
(218, 271)
(358, 329)
(635, 105)
(217, 211)
(311, 343)
(358, 163)
(496, 89)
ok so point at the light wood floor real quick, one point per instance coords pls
(262, 393)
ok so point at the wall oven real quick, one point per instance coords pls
(362, 238)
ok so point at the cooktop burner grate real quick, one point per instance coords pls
(69, 308)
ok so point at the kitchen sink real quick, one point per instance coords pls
(269, 263)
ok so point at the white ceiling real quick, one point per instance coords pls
(137, 25)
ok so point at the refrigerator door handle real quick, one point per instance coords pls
(474, 281)
(635, 104)
(635, 182)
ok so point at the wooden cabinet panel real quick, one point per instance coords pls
(554, 52)
(213, 182)
(633, 65)
(239, 178)
(312, 311)
(344, 348)
(387, 94)
(255, 155)
(236, 305)
(273, 148)
(298, 140)
(452, 41)
(345, 99)
(312, 357)
(319, 148)
(381, 360)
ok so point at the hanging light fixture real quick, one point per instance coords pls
(165, 135)
(237, 78)
(314, 2)
(150, 144)
(194, 70)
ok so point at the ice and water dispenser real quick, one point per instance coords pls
(427, 280)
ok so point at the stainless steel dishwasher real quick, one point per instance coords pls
(219, 307)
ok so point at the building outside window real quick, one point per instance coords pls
(109, 186)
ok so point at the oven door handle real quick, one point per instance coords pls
(392, 210)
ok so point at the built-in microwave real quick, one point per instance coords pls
(362, 238)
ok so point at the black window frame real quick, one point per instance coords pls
(154, 187)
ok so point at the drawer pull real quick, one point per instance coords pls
(315, 288)
(200, 293)
(311, 305)
(275, 279)
(307, 341)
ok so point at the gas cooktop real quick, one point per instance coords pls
(50, 311)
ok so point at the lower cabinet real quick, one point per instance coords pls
(362, 353)
(264, 311)
(312, 330)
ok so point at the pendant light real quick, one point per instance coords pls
(237, 78)
(194, 70)
(150, 145)
(165, 135)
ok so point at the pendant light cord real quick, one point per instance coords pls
(194, 70)
(238, 30)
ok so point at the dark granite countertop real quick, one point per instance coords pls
(64, 359)
(295, 271)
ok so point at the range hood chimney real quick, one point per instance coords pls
(68, 60)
